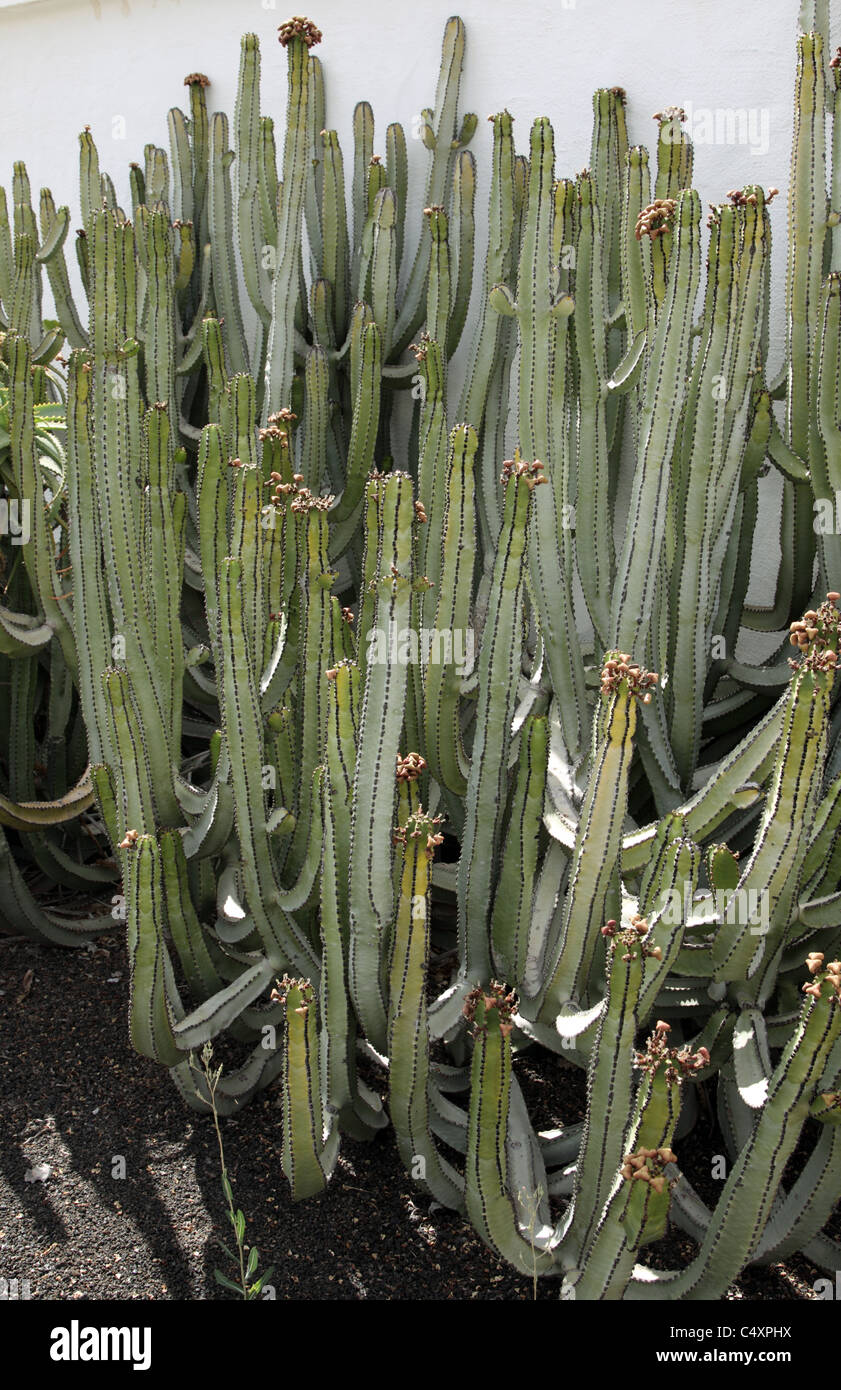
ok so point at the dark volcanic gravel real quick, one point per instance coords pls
(76, 1097)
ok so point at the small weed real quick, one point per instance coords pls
(247, 1257)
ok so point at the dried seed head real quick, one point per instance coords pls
(410, 768)
(656, 219)
(280, 993)
(618, 667)
(419, 825)
(531, 473)
(299, 28)
(494, 997)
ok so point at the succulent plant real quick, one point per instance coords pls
(292, 659)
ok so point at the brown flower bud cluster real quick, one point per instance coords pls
(670, 113)
(421, 347)
(130, 841)
(273, 432)
(300, 497)
(196, 79)
(630, 937)
(280, 993)
(434, 207)
(347, 614)
(495, 996)
(418, 825)
(742, 198)
(619, 667)
(647, 1165)
(836, 61)
(410, 768)
(532, 473)
(420, 514)
(298, 28)
(831, 972)
(679, 1062)
(282, 417)
(812, 633)
(655, 220)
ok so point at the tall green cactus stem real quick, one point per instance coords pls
(454, 586)
(151, 1013)
(593, 883)
(636, 1211)
(806, 231)
(408, 1031)
(283, 940)
(772, 872)
(536, 309)
(54, 227)
(825, 461)
(249, 155)
(608, 158)
(710, 460)
(490, 1204)
(371, 890)
(674, 174)
(594, 528)
(297, 36)
(225, 283)
(335, 264)
(498, 668)
(748, 1195)
(443, 137)
(665, 370)
(309, 1148)
(512, 909)
(489, 327)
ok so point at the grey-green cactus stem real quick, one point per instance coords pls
(297, 37)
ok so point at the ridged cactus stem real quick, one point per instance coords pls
(748, 1195)
(491, 1206)
(806, 231)
(297, 37)
(408, 1031)
(637, 1208)
(592, 892)
(772, 873)
(441, 135)
(453, 581)
(309, 1148)
(371, 854)
(498, 672)
(661, 397)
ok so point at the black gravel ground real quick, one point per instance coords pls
(75, 1097)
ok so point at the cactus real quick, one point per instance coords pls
(238, 640)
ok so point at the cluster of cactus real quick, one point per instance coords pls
(240, 639)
